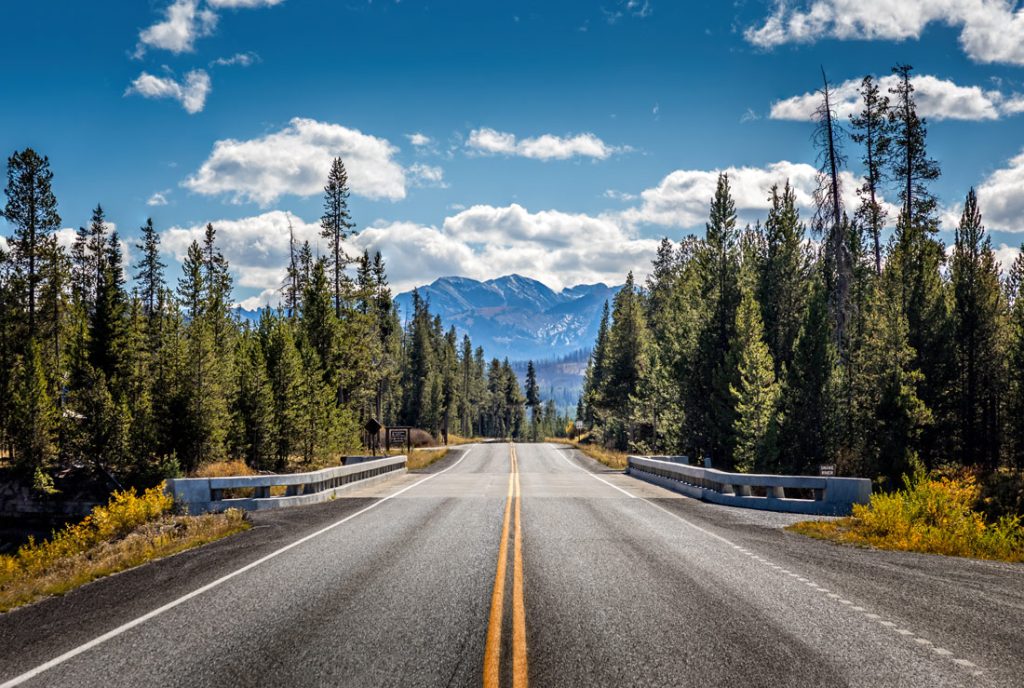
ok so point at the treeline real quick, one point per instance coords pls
(155, 380)
(774, 348)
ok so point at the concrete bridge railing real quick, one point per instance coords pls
(829, 496)
(209, 494)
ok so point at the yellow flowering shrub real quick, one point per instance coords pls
(129, 530)
(935, 515)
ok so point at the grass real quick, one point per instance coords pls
(934, 515)
(609, 457)
(421, 459)
(130, 530)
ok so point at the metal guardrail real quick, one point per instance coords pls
(208, 494)
(831, 496)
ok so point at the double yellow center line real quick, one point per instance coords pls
(492, 649)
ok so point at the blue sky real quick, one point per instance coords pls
(557, 140)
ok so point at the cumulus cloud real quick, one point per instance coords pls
(682, 198)
(296, 160)
(256, 247)
(990, 30)
(190, 93)
(157, 199)
(1001, 196)
(560, 249)
(936, 98)
(545, 147)
(184, 22)
(1005, 256)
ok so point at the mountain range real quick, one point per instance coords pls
(516, 317)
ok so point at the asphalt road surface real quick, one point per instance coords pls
(526, 565)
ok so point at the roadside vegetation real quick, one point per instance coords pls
(938, 514)
(853, 336)
(612, 458)
(140, 378)
(421, 459)
(130, 530)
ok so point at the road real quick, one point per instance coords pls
(526, 565)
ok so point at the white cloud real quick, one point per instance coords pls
(936, 98)
(427, 175)
(557, 248)
(158, 198)
(418, 139)
(191, 93)
(1005, 256)
(256, 247)
(544, 147)
(267, 297)
(183, 23)
(990, 30)
(238, 59)
(1001, 197)
(683, 198)
(296, 160)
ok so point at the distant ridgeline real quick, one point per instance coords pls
(516, 317)
(521, 319)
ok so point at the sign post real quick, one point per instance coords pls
(373, 429)
(399, 436)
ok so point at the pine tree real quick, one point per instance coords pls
(108, 331)
(871, 129)
(807, 405)
(830, 219)
(756, 392)
(977, 310)
(293, 278)
(887, 406)
(533, 397)
(783, 278)
(909, 162)
(709, 405)
(1014, 402)
(917, 260)
(593, 382)
(284, 370)
(32, 210)
(254, 405)
(627, 366)
(336, 224)
(87, 258)
(34, 415)
(149, 269)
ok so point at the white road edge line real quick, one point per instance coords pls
(583, 470)
(56, 661)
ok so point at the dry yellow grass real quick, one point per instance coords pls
(421, 459)
(933, 516)
(130, 530)
(223, 469)
(609, 457)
